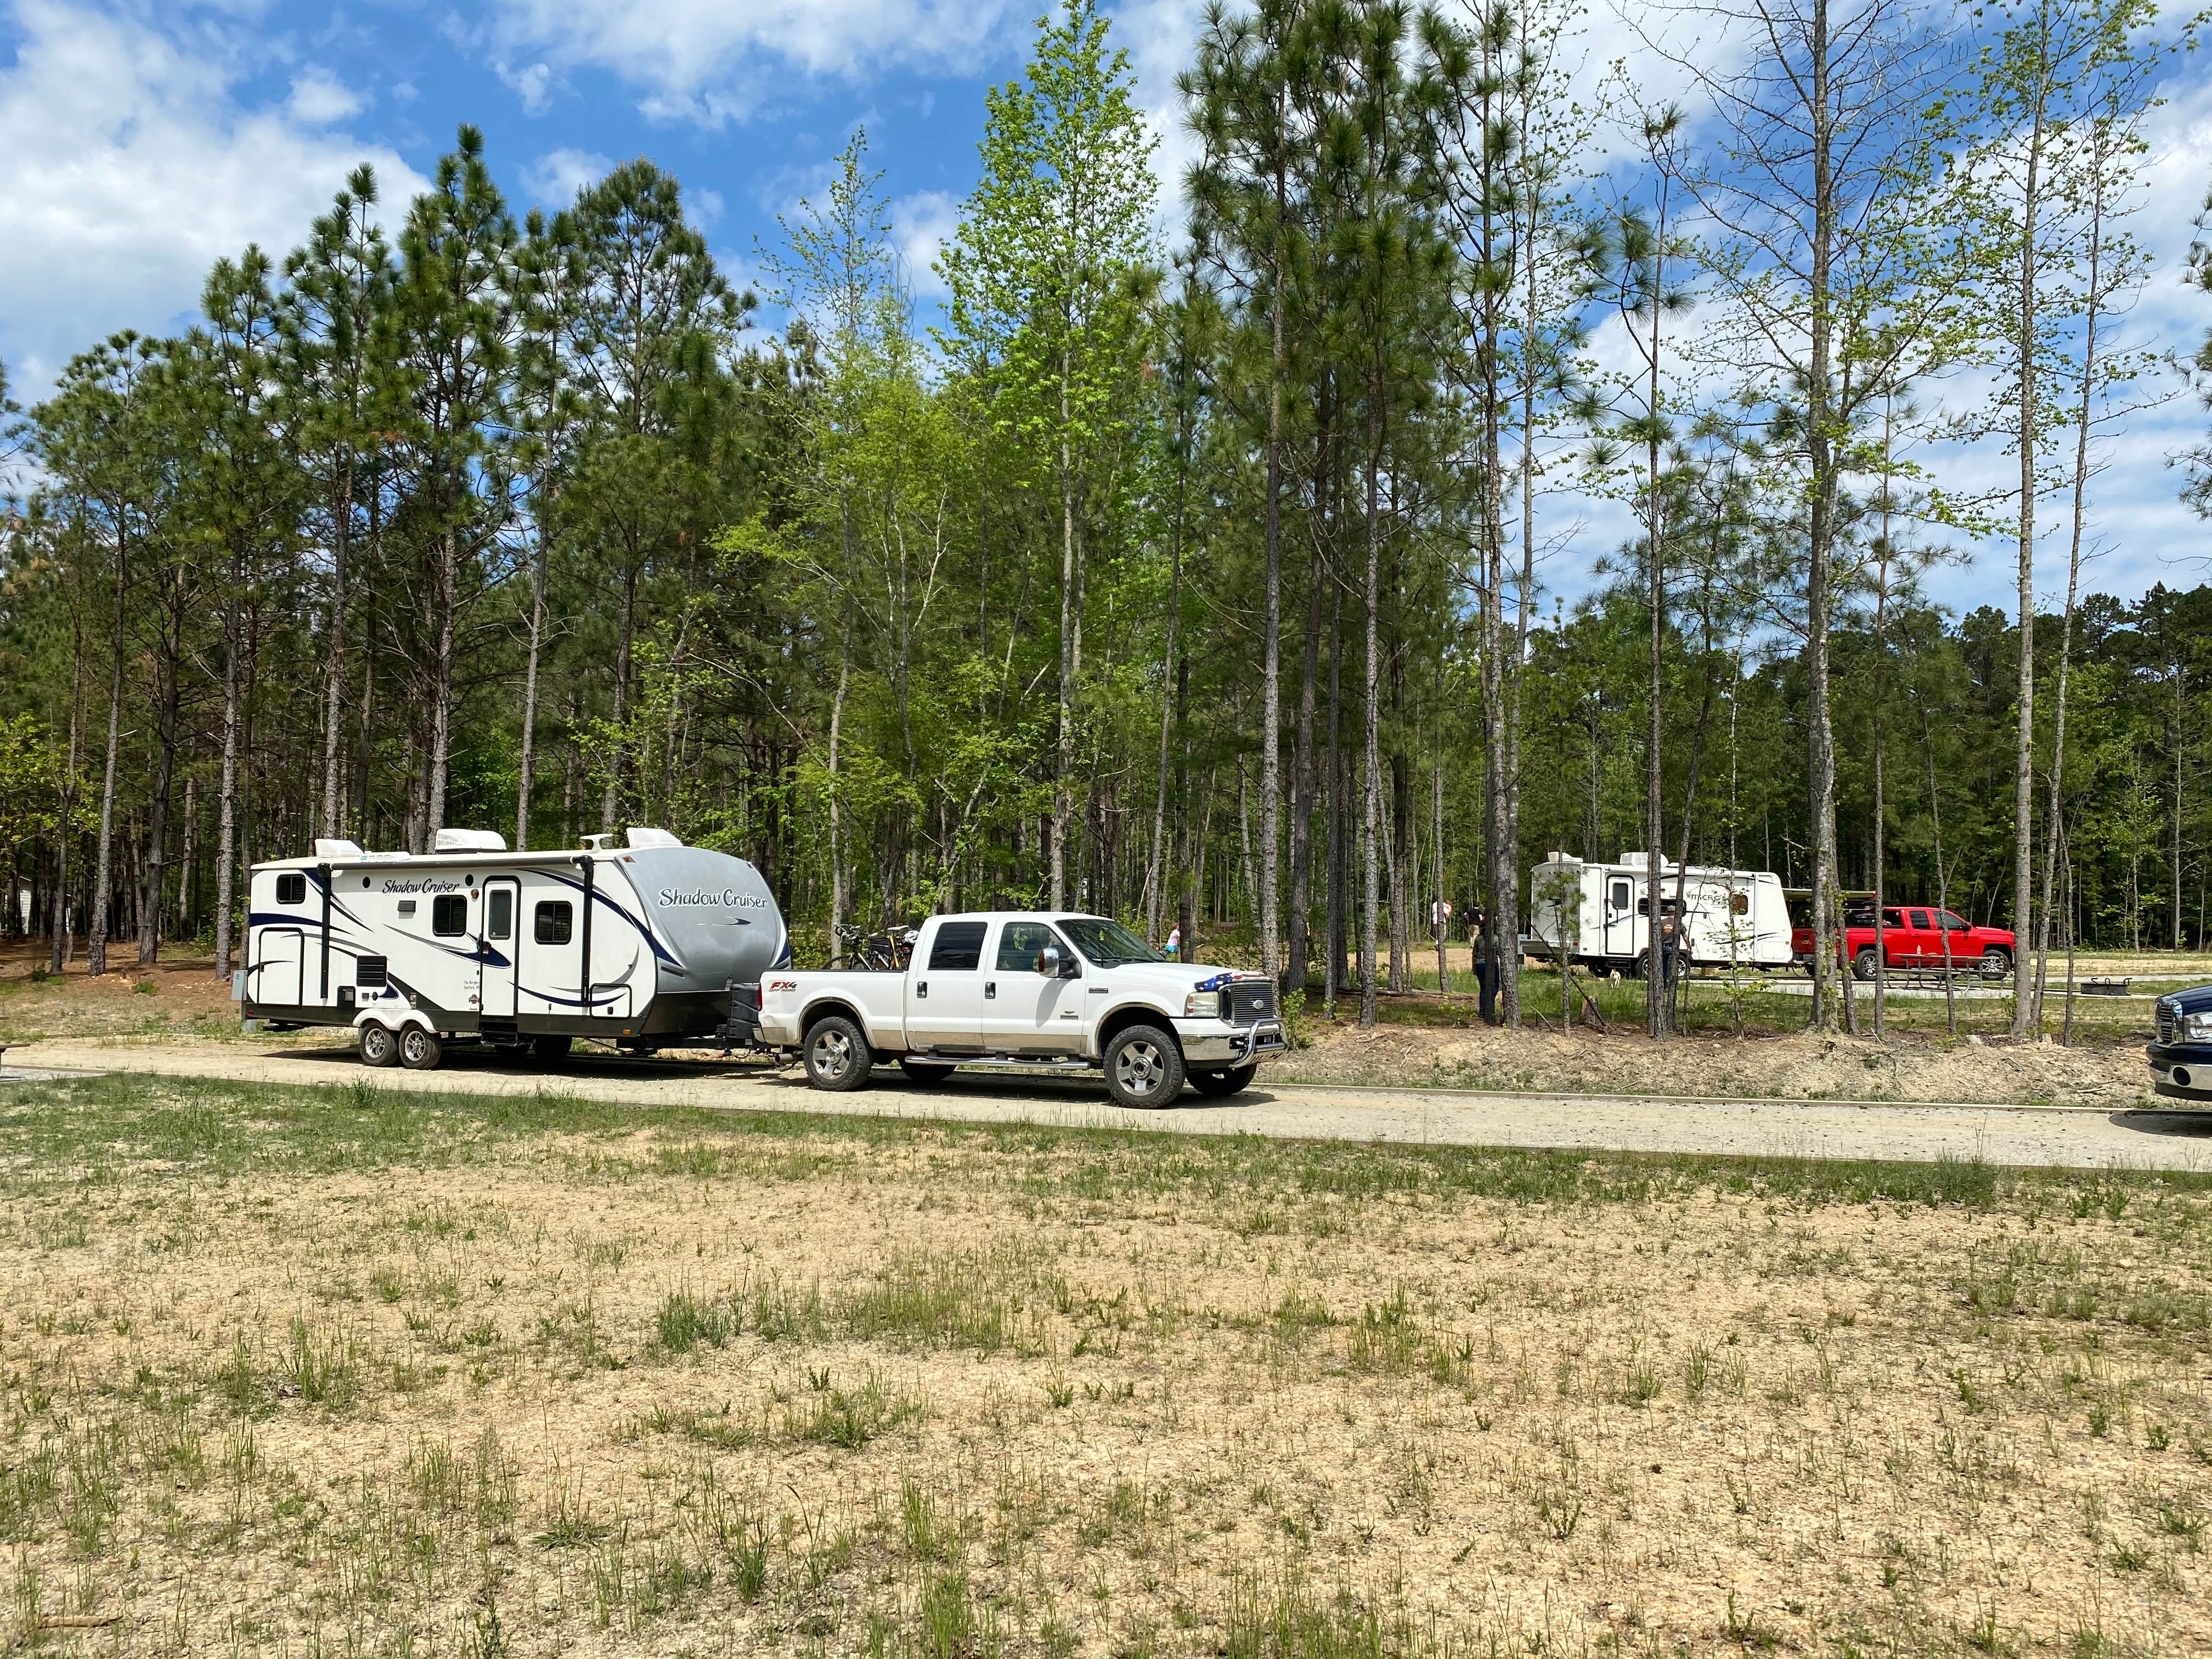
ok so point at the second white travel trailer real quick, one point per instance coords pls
(1598, 916)
(651, 946)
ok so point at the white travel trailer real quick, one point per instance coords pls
(648, 946)
(1598, 916)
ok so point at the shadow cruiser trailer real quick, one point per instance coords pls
(649, 946)
(1598, 916)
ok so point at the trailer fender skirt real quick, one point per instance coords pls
(395, 1018)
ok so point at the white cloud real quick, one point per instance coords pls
(319, 98)
(534, 84)
(920, 225)
(127, 167)
(555, 177)
(715, 61)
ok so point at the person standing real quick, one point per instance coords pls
(1175, 943)
(1486, 961)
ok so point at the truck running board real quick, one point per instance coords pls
(1017, 1062)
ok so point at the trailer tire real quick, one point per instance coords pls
(547, 1049)
(925, 1072)
(1144, 1067)
(837, 1055)
(378, 1045)
(420, 1049)
(1218, 1084)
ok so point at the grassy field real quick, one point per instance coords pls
(350, 1372)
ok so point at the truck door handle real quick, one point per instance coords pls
(990, 987)
(922, 988)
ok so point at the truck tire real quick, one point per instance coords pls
(1144, 1067)
(925, 1072)
(1997, 962)
(420, 1050)
(837, 1056)
(378, 1046)
(1217, 1084)
(1862, 964)
(547, 1049)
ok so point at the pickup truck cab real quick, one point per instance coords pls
(1913, 937)
(2181, 1054)
(1024, 990)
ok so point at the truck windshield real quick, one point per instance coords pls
(1108, 944)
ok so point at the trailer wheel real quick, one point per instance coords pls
(547, 1049)
(420, 1050)
(923, 1072)
(1144, 1067)
(837, 1055)
(379, 1047)
(1217, 1084)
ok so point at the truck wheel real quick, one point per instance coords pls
(1144, 1067)
(1997, 962)
(420, 1050)
(1862, 964)
(837, 1057)
(378, 1046)
(923, 1072)
(1219, 1084)
(547, 1049)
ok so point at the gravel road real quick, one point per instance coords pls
(2078, 1137)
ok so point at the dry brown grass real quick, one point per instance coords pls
(337, 1372)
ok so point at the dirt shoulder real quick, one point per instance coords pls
(1803, 1066)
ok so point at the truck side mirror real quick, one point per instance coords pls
(1048, 962)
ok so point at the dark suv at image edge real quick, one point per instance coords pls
(2181, 1054)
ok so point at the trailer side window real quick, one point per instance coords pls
(499, 914)
(554, 922)
(1739, 904)
(449, 915)
(292, 889)
(1620, 896)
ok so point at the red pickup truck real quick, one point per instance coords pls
(1913, 937)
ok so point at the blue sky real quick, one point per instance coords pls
(140, 141)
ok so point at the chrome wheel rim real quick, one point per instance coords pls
(413, 1045)
(376, 1044)
(832, 1054)
(1140, 1068)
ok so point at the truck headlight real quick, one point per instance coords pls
(2197, 1028)
(1202, 1005)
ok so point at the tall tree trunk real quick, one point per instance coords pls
(1271, 673)
(1821, 528)
(334, 684)
(226, 839)
(58, 951)
(1153, 873)
(525, 783)
(1071, 619)
(154, 876)
(1370, 875)
(441, 691)
(97, 939)
(2023, 891)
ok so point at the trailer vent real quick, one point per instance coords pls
(369, 974)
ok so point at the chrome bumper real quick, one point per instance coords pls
(1234, 1045)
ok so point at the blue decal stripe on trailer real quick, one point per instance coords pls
(660, 951)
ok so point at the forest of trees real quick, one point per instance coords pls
(1205, 574)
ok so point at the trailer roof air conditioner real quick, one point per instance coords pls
(468, 840)
(641, 837)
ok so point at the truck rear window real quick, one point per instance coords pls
(959, 947)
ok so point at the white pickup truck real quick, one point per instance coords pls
(1021, 990)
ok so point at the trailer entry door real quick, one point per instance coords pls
(279, 968)
(499, 947)
(1620, 916)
